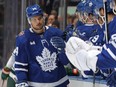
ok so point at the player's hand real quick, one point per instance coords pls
(76, 53)
(58, 43)
(5, 73)
(111, 79)
(79, 54)
(21, 84)
(75, 44)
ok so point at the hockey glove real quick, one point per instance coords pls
(22, 84)
(81, 55)
(111, 80)
(76, 53)
(5, 73)
(58, 43)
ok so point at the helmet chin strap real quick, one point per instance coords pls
(114, 11)
(101, 16)
(99, 22)
(29, 21)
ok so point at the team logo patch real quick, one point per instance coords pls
(47, 60)
(32, 43)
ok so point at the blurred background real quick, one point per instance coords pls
(13, 20)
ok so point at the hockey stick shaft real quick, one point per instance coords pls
(93, 79)
(106, 21)
(106, 25)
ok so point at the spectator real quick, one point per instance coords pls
(50, 20)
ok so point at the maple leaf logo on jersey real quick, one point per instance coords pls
(47, 60)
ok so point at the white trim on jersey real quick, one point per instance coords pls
(23, 64)
(111, 54)
(21, 69)
(53, 84)
(113, 43)
(104, 46)
(31, 30)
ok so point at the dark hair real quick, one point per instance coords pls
(56, 23)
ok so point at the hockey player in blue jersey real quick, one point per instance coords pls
(90, 59)
(40, 56)
(90, 31)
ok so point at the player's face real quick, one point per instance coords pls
(37, 22)
(101, 11)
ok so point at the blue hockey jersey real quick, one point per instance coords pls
(99, 38)
(87, 30)
(107, 58)
(91, 32)
(69, 32)
(112, 27)
(38, 62)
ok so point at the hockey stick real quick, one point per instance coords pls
(97, 70)
(106, 21)
(93, 79)
(106, 25)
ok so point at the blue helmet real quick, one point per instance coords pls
(33, 10)
(100, 4)
(80, 6)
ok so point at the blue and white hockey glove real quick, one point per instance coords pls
(58, 43)
(22, 84)
(111, 79)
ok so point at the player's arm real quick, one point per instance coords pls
(59, 43)
(21, 62)
(107, 58)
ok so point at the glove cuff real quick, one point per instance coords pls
(6, 70)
